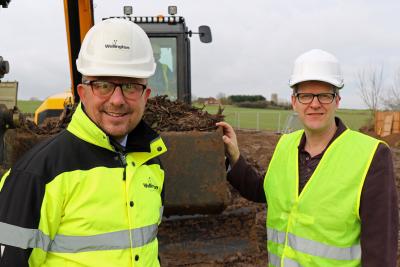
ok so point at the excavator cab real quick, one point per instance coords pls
(170, 39)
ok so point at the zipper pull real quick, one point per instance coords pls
(122, 159)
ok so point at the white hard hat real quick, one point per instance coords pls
(116, 47)
(317, 65)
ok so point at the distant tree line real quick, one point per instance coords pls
(251, 101)
(245, 98)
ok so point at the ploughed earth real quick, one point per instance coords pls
(237, 236)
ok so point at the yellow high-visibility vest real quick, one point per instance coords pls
(321, 226)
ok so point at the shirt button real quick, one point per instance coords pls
(159, 148)
(136, 257)
(307, 158)
(133, 164)
(131, 204)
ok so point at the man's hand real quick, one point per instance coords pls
(230, 141)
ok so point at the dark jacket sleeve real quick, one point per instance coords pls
(20, 203)
(247, 181)
(379, 212)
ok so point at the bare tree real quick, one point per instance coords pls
(370, 82)
(392, 101)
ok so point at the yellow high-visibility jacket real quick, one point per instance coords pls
(76, 200)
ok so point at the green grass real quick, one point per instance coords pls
(275, 120)
(27, 106)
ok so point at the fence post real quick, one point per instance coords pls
(238, 120)
(279, 122)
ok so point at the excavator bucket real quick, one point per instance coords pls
(195, 174)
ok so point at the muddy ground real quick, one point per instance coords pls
(236, 237)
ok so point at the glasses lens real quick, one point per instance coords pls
(305, 98)
(102, 88)
(326, 98)
(132, 90)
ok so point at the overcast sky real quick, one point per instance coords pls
(253, 49)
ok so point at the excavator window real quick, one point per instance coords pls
(163, 82)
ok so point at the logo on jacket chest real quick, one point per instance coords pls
(150, 184)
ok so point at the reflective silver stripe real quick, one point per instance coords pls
(108, 241)
(161, 212)
(290, 263)
(276, 261)
(323, 250)
(276, 236)
(23, 237)
(315, 248)
(34, 238)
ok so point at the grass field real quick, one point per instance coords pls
(275, 120)
(27, 106)
(248, 118)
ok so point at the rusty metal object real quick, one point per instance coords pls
(195, 175)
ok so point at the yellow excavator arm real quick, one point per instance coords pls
(78, 20)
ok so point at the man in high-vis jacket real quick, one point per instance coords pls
(330, 191)
(162, 82)
(92, 195)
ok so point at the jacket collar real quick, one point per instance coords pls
(139, 139)
(341, 127)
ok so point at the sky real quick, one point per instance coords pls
(255, 42)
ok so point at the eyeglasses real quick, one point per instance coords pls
(106, 89)
(323, 98)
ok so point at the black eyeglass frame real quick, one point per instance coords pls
(144, 87)
(298, 95)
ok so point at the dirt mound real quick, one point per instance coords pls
(161, 114)
(165, 115)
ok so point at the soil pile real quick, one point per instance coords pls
(161, 114)
(165, 115)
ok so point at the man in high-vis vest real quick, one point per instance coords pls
(330, 191)
(162, 82)
(92, 195)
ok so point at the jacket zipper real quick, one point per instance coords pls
(122, 159)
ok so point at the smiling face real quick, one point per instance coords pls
(316, 117)
(115, 115)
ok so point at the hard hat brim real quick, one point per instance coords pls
(338, 83)
(95, 71)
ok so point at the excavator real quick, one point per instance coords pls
(197, 230)
(190, 187)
